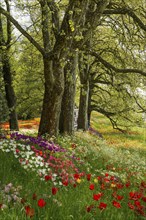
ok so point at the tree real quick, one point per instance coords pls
(54, 55)
(7, 71)
(118, 67)
(66, 123)
(28, 80)
(122, 43)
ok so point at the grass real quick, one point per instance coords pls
(91, 179)
(134, 138)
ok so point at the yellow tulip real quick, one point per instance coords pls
(78, 180)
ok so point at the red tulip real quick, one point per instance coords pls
(116, 204)
(54, 190)
(102, 205)
(29, 211)
(88, 177)
(97, 196)
(91, 187)
(41, 203)
(48, 177)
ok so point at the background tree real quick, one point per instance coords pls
(28, 81)
(120, 49)
(5, 45)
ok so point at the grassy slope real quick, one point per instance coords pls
(136, 138)
(74, 200)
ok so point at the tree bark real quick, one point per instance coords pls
(54, 87)
(84, 92)
(10, 94)
(89, 106)
(7, 74)
(66, 123)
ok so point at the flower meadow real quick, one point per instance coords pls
(78, 177)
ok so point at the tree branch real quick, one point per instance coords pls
(126, 11)
(18, 26)
(9, 31)
(110, 66)
(55, 17)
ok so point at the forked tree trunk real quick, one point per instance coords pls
(66, 123)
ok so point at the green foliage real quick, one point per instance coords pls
(29, 83)
(3, 104)
(118, 38)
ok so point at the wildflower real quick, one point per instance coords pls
(95, 180)
(89, 208)
(102, 205)
(8, 136)
(88, 177)
(78, 180)
(144, 198)
(91, 187)
(97, 196)
(135, 195)
(131, 206)
(15, 198)
(138, 204)
(119, 185)
(116, 204)
(127, 184)
(17, 151)
(48, 177)
(41, 203)
(113, 185)
(65, 183)
(7, 189)
(99, 178)
(119, 197)
(76, 176)
(102, 186)
(29, 211)
(40, 153)
(54, 190)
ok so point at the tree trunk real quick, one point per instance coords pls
(89, 106)
(83, 107)
(54, 87)
(7, 75)
(10, 94)
(66, 123)
(84, 93)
